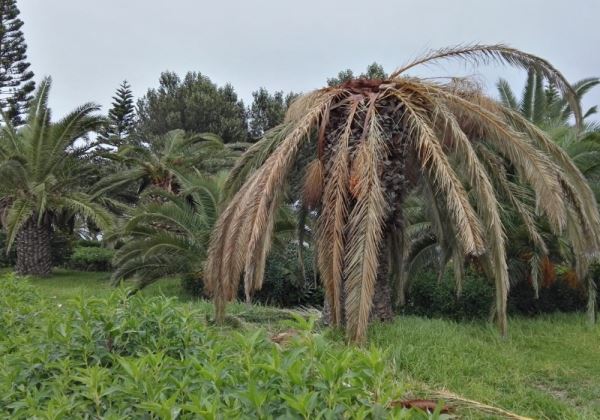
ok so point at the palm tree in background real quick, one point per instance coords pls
(166, 160)
(42, 168)
(169, 237)
(545, 107)
(372, 142)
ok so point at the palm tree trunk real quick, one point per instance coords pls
(34, 255)
(381, 309)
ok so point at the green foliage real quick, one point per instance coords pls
(43, 169)
(152, 357)
(194, 104)
(121, 118)
(284, 284)
(166, 162)
(7, 258)
(267, 111)
(16, 84)
(86, 258)
(429, 295)
(168, 234)
(61, 244)
(374, 71)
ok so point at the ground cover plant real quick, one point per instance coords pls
(151, 357)
(545, 369)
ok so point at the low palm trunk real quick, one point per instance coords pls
(395, 187)
(381, 310)
(34, 255)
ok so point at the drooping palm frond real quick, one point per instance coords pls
(364, 229)
(503, 54)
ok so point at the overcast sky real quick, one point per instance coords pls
(90, 46)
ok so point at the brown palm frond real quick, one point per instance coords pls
(503, 54)
(434, 160)
(255, 264)
(458, 401)
(364, 230)
(247, 224)
(488, 208)
(313, 184)
(273, 173)
(568, 170)
(498, 173)
(333, 219)
(254, 158)
(532, 165)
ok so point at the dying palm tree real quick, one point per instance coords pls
(42, 170)
(374, 141)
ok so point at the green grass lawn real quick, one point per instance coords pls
(549, 367)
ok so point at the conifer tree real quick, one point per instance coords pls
(16, 84)
(121, 117)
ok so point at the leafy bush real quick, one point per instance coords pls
(559, 296)
(87, 243)
(284, 284)
(61, 248)
(142, 357)
(429, 297)
(91, 259)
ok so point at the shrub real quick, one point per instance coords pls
(61, 248)
(284, 285)
(429, 297)
(559, 296)
(91, 259)
(87, 243)
(139, 357)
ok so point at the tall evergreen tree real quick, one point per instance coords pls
(121, 117)
(194, 104)
(267, 111)
(374, 71)
(16, 84)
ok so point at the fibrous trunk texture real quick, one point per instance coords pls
(34, 255)
(391, 173)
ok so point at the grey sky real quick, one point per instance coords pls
(90, 46)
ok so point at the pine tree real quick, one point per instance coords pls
(121, 117)
(16, 84)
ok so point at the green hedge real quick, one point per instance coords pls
(87, 258)
(139, 357)
(428, 296)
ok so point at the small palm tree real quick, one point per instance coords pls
(165, 160)
(374, 141)
(41, 168)
(169, 237)
(543, 106)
